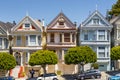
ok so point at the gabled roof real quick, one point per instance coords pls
(96, 12)
(54, 21)
(36, 23)
(114, 19)
(6, 27)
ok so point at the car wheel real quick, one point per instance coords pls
(93, 77)
(55, 79)
(82, 78)
(97, 77)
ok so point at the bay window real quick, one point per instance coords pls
(101, 35)
(32, 40)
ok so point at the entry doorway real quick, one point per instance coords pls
(18, 58)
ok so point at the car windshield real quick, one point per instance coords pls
(48, 74)
(117, 74)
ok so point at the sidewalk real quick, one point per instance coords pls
(24, 78)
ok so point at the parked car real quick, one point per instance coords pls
(116, 77)
(48, 76)
(7, 78)
(90, 74)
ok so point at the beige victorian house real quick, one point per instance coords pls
(61, 35)
(27, 38)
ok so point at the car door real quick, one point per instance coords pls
(89, 74)
(47, 77)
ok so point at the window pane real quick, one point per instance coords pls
(86, 37)
(27, 25)
(52, 37)
(66, 37)
(60, 37)
(32, 39)
(101, 54)
(101, 34)
(95, 21)
(18, 40)
(5, 43)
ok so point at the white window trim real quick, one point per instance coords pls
(27, 27)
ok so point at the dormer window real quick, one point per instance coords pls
(27, 25)
(95, 21)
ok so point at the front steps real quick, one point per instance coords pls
(17, 72)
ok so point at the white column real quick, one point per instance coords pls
(62, 54)
(3, 46)
(21, 63)
(28, 56)
(106, 51)
(71, 37)
(62, 37)
(105, 34)
(37, 40)
(28, 40)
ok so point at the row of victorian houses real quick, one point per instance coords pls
(62, 34)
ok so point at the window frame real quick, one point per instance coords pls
(66, 37)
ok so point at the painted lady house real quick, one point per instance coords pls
(95, 32)
(61, 35)
(27, 36)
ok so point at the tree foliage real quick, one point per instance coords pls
(43, 58)
(7, 61)
(95, 65)
(115, 53)
(115, 11)
(80, 54)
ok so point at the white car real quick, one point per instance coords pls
(48, 76)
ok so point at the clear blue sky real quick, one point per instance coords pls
(75, 10)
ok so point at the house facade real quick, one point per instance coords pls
(95, 32)
(61, 35)
(115, 38)
(4, 36)
(27, 38)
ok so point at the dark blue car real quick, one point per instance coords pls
(7, 78)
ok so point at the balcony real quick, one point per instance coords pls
(107, 59)
(95, 43)
(60, 44)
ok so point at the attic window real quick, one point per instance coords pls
(61, 23)
(95, 21)
(27, 25)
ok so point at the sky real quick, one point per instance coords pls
(75, 10)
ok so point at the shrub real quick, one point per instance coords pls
(95, 65)
(59, 72)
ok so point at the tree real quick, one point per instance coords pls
(78, 55)
(115, 11)
(7, 61)
(115, 53)
(43, 58)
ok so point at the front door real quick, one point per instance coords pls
(18, 58)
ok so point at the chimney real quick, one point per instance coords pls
(75, 23)
(43, 23)
(39, 20)
(14, 22)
